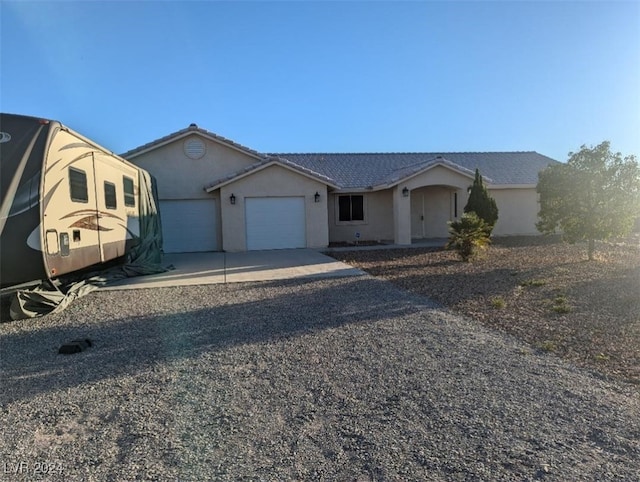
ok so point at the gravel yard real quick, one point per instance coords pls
(332, 379)
(538, 289)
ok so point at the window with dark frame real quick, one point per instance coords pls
(110, 200)
(351, 208)
(455, 205)
(129, 196)
(78, 185)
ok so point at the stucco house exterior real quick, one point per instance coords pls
(217, 195)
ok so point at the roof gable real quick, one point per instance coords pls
(408, 172)
(267, 162)
(193, 129)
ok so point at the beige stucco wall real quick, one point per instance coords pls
(378, 219)
(180, 177)
(517, 211)
(439, 176)
(273, 181)
(389, 215)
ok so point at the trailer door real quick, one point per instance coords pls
(116, 189)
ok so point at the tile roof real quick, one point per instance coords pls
(265, 162)
(378, 170)
(192, 129)
(371, 170)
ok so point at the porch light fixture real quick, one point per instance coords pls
(405, 192)
(316, 197)
(232, 198)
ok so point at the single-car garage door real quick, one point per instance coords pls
(189, 226)
(275, 223)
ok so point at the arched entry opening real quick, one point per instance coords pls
(432, 207)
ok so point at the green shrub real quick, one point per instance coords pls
(561, 309)
(548, 346)
(560, 305)
(468, 236)
(498, 302)
(533, 282)
(481, 203)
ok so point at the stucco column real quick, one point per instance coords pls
(401, 216)
(233, 221)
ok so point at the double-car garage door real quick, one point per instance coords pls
(271, 223)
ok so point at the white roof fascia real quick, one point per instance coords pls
(444, 163)
(357, 190)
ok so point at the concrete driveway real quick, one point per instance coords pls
(217, 267)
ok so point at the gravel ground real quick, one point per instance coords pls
(333, 379)
(538, 289)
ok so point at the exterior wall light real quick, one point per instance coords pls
(232, 198)
(316, 197)
(405, 192)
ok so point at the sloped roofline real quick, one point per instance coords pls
(422, 167)
(268, 162)
(182, 133)
(390, 168)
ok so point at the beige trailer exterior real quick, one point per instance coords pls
(67, 203)
(90, 204)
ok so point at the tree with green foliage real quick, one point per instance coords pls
(594, 196)
(481, 203)
(468, 236)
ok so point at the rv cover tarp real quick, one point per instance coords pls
(143, 259)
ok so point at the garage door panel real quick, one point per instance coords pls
(275, 223)
(189, 225)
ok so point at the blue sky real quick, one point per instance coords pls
(331, 76)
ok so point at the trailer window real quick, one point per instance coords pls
(110, 195)
(129, 196)
(78, 185)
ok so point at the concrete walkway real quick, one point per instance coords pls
(217, 267)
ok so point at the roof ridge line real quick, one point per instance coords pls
(393, 153)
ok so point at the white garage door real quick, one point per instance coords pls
(189, 226)
(275, 223)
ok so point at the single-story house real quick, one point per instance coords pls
(217, 195)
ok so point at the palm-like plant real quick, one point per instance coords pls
(468, 236)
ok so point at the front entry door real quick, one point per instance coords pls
(417, 214)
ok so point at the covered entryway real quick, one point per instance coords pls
(189, 226)
(432, 207)
(275, 223)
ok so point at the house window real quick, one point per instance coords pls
(129, 196)
(351, 208)
(110, 195)
(455, 204)
(78, 185)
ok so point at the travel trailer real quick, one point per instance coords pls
(66, 203)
